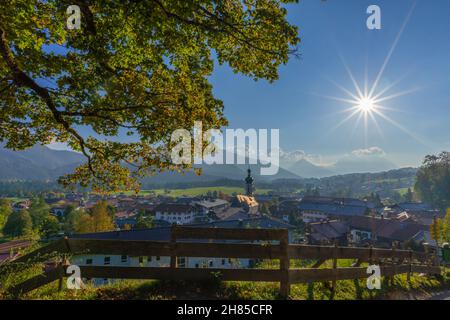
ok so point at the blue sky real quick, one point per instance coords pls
(333, 29)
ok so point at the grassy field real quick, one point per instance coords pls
(197, 191)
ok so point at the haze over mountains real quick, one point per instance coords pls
(37, 163)
(43, 163)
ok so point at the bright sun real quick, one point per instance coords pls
(367, 101)
(366, 104)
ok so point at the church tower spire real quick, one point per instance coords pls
(249, 187)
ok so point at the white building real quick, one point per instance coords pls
(155, 261)
(175, 213)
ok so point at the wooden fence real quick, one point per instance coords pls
(255, 244)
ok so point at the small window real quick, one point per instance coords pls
(88, 261)
(107, 260)
(124, 258)
(223, 262)
(196, 265)
(141, 259)
(211, 264)
(158, 258)
(149, 259)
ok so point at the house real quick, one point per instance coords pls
(125, 214)
(125, 218)
(321, 208)
(287, 208)
(21, 205)
(175, 213)
(420, 212)
(163, 234)
(58, 211)
(186, 199)
(125, 222)
(328, 233)
(261, 198)
(212, 206)
(248, 203)
(382, 231)
(232, 213)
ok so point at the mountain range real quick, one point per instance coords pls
(43, 163)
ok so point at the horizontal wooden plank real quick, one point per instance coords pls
(119, 247)
(183, 249)
(420, 256)
(58, 246)
(313, 275)
(297, 251)
(6, 247)
(224, 250)
(227, 233)
(38, 281)
(393, 270)
(180, 273)
(426, 269)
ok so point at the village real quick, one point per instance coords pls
(310, 220)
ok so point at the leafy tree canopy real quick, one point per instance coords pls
(433, 180)
(5, 211)
(19, 224)
(39, 211)
(101, 218)
(440, 229)
(50, 226)
(139, 68)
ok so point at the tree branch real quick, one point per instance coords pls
(21, 79)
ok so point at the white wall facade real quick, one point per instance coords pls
(155, 261)
(311, 216)
(178, 218)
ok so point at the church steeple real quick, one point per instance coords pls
(249, 187)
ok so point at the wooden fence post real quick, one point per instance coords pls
(435, 257)
(285, 285)
(408, 276)
(173, 244)
(391, 278)
(333, 284)
(64, 263)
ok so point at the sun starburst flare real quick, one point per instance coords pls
(366, 102)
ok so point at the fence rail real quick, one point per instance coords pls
(228, 243)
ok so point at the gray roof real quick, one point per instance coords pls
(334, 200)
(163, 233)
(415, 206)
(209, 204)
(333, 209)
(387, 228)
(328, 230)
